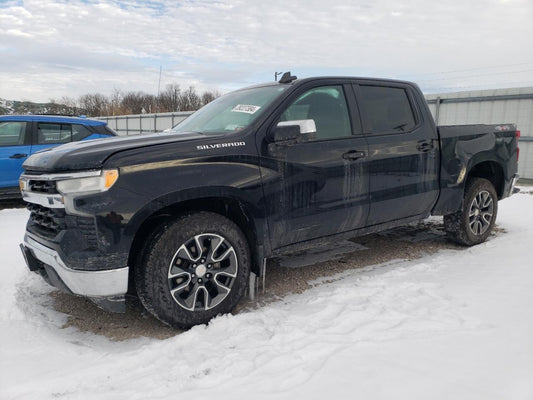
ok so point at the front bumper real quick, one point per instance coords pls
(106, 288)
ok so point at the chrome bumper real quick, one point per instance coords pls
(94, 284)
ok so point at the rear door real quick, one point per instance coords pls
(403, 152)
(317, 187)
(15, 147)
(51, 134)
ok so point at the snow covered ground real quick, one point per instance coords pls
(454, 325)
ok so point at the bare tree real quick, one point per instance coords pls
(119, 103)
(138, 103)
(116, 100)
(169, 99)
(150, 103)
(70, 105)
(65, 106)
(132, 102)
(189, 100)
(208, 97)
(94, 105)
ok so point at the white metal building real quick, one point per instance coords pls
(491, 107)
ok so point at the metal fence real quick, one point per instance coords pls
(476, 107)
(144, 123)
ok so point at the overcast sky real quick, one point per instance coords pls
(51, 48)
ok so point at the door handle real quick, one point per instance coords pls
(18, 155)
(424, 146)
(354, 155)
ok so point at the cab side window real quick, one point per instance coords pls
(385, 110)
(80, 132)
(54, 133)
(12, 133)
(326, 105)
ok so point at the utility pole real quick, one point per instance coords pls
(276, 75)
(159, 88)
(159, 84)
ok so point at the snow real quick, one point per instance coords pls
(454, 325)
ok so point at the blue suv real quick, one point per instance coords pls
(23, 135)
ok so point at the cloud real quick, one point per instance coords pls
(70, 47)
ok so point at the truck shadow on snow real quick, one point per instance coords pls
(285, 275)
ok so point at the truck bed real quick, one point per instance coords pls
(489, 146)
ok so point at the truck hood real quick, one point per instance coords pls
(91, 154)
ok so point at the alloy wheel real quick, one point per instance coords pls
(481, 213)
(202, 272)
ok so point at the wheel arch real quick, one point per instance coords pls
(452, 191)
(223, 201)
(490, 170)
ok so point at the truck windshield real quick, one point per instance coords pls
(231, 112)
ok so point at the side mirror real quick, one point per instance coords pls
(291, 130)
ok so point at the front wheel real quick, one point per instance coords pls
(473, 224)
(193, 269)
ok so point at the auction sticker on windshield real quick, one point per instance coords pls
(244, 108)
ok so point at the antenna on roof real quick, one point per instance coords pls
(276, 75)
(287, 77)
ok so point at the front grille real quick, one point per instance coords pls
(42, 186)
(51, 220)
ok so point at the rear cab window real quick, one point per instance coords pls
(385, 109)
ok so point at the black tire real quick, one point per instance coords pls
(473, 224)
(182, 286)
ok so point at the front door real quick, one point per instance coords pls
(316, 187)
(15, 147)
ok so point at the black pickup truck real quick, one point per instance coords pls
(186, 219)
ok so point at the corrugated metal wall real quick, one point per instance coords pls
(491, 107)
(144, 123)
(475, 107)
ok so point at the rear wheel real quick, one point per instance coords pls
(193, 269)
(473, 224)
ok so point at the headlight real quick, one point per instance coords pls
(90, 184)
(23, 184)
